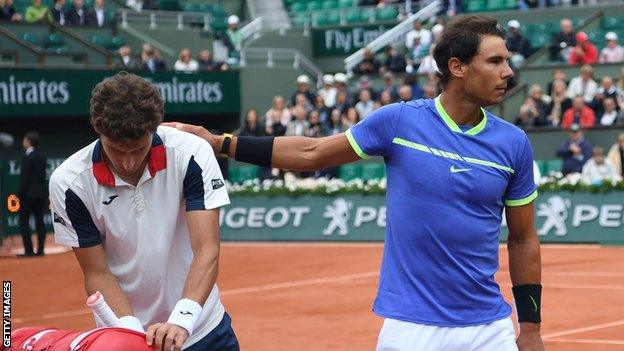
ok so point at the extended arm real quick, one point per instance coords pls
(525, 265)
(294, 153)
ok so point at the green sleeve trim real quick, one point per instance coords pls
(521, 202)
(355, 146)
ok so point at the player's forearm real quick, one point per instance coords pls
(292, 153)
(108, 286)
(202, 274)
(525, 265)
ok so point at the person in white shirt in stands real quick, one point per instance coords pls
(425, 35)
(583, 85)
(328, 91)
(140, 208)
(613, 52)
(366, 105)
(186, 63)
(599, 168)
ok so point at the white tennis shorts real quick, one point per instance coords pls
(397, 335)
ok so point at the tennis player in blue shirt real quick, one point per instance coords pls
(452, 169)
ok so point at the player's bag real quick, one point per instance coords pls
(101, 339)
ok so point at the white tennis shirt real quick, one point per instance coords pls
(143, 229)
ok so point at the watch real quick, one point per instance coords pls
(225, 147)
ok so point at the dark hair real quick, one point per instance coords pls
(33, 138)
(461, 38)
(126, 107)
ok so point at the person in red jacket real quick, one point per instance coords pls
(584, 53)
(579, 113)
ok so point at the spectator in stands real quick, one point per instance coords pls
(364, 83)
(583, 85)
(613, 52)
(300, 125)
(366, 105)
(126, 61)
(610, 115)
(534, 110)
(328, 91)
(559, 103)
(274, 125)
(145, 48)
(418, 31)
(319, 105)
(369, 64)
(558, 74)
(616, 155)
(58, 12)
(301, 100)
(395, 62)
(579, 114)
(575, 151)
(207, 63)
(8, 13)
(342, 101)
(303, 87)
(340, 82)
(428, 64)
(335, 124)
(153, 62)
(97, 16)
(234, 36)
(528, 116)
(415, 55)
(37, 12)
(518, 46)
(77, 15)
(584, 52)
(185, 62)
(352, 117)
(277, 112)
(607, 89)
(385, 98)
(412, 81)
(563, 42)
(315, 130)
(598, 168)
(405, 93)
(252, 125)
(389, 85)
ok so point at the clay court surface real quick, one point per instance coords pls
(300, 297)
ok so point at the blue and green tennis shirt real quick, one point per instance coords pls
(447, 186)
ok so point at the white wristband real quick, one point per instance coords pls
(185, 314)
(131, 322)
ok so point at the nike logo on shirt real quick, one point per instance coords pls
(457, 170)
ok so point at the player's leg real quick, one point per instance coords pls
(221, 338)
(24, 215)
(398, 335)
(496, 336)
(38, 210)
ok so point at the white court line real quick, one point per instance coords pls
(299, 283)
(379, 244)
(300, 244)
(573, 286)
(584, 329)
(577, 273)
(251, 289)
(590, 341)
